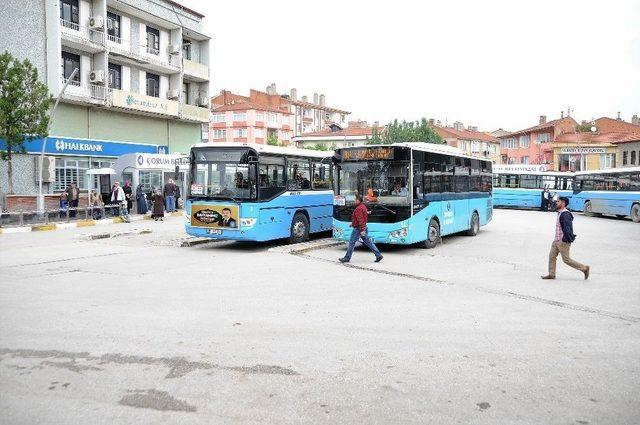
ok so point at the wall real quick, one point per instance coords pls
(628, 147)
(23, 31)
(182, 135)
(24, 169)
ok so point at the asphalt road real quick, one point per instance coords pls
(135, 329)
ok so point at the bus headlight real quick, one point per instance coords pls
(247, 222)
(398, 234)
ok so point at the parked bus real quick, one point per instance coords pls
(258, 192)
(522, 186)
(615, 191)
(415, 192)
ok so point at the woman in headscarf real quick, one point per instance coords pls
(158, 205)
(141, 200)
(128, 191)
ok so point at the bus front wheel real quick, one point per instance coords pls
(635, 213)
(475, 225)
(433, 235)
(299, 229)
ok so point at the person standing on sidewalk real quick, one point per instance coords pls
(73, 196)
(359, 224)
(128, 192)
(169, 193)
(563, 240)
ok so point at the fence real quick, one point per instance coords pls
(59, 215)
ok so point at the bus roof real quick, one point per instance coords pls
(268, 149)
(610, 170)
(424, 147)
(535, 173)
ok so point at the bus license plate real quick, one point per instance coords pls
(214, 231)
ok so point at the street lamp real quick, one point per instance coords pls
(40, 201)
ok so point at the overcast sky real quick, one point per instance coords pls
(488, 63)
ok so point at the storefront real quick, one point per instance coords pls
(575, 158)
(152, 171)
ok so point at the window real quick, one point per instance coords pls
(524, 160)
(271, 117)
(463, 145)
(153, 85)
(530, 181)
(71, 170)
(298, 174)
(240, 132)
(69, 13)
(185, 93)
(633, 157)
(219, 134)
(239, 116)
(69, 63)
(475, 183)
(150, 180)
(321, 176)
(259, 116)
(113, 27)
(284, 135)
(186, 49)
(218, 117)
(115, 76)
(259, 133)
(624, 157)
(153, 40)
(509, 143)
(543, 138)
(462, 171)
(523, 141)
(607, 160)
(270, 176)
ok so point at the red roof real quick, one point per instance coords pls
(247, 106)
(548, 124)
(448, 132)
(612, 137)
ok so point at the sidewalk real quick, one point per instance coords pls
(81, 223)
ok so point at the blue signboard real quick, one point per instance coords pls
(87, 147)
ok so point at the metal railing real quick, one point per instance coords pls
(94, 91)
(59, 215)
(82, 33)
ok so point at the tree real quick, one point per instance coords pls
(320, 147)
(24, 107)
(272, 140)
(406, 131)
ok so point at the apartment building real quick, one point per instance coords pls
(142, 83)
(533, 145)
(356, 133)
(311, 115)
(471, 141)
(250, 119)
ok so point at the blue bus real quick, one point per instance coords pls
(522, 186)
(415, 192)
(248, 192)
(615, 191)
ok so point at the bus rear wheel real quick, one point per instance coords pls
(299, 228)
(433, 235)
(635, 213)
(475, 225)
(588, 211)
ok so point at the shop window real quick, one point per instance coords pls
(71, 170)
(150, 180)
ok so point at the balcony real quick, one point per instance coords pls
(143, 103)
(195, 113)
(80, 37)
(195, 71)
(118, 44)
(85, 93)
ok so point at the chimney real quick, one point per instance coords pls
(561, 114)
(322, 98)
(635, 120)
(271, 88)
(472, 128)
(619, 119)
(432, 122)
(294, 94)
(458, 125)
(315, 98)
(543, 119)
(305, 98)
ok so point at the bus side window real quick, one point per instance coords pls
(321, 176)
(298, 174)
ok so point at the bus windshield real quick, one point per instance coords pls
(223, 173)
(381, 182)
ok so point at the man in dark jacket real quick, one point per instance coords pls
(170, 195)
(359, 224)
(563, 240)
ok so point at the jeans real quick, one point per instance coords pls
(73, 204)
(355, 235)
(170, 203)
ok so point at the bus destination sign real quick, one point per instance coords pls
(364, 154)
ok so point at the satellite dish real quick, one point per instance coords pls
(593, 129)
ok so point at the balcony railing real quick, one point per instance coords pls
(153, 51)
(81, 33)
(156, 57)
(90, 91)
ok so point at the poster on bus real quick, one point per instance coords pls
(215, 216)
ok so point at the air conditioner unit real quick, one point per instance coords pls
(96, 76)
(202, 101)
(173, 49)
(48, 169)
(173, 94)
(96, 22)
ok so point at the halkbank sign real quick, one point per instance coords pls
(85, 147)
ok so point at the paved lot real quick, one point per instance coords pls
(134, 329)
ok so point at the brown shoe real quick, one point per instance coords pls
(586, 273)
(548, 277)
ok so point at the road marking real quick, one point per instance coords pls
(66, 259)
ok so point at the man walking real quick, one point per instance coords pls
(562, 242)
(359, 224)
(170, 190)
